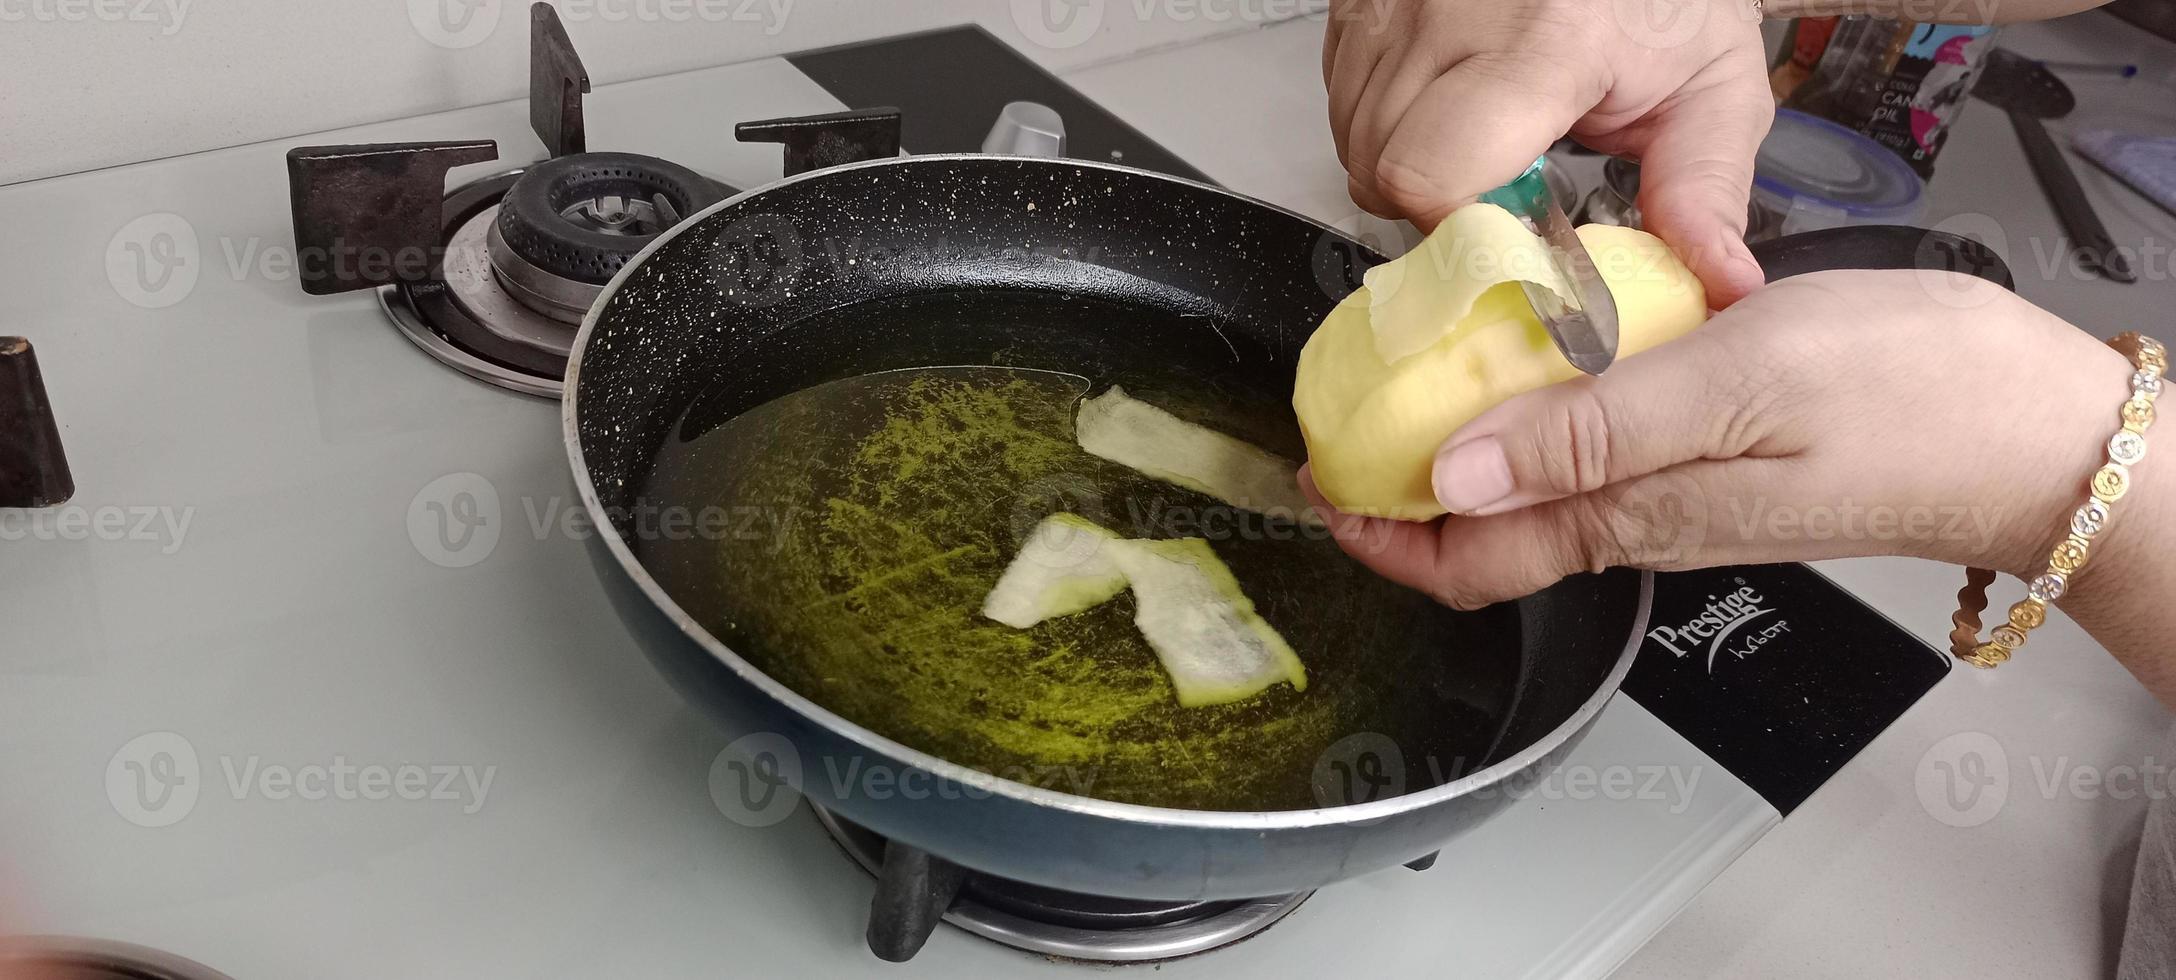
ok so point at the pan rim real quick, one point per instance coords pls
(900, 753)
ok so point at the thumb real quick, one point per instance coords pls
(1663, 407)
(1696, 176)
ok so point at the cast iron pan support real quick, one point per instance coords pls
(828, 140)
(557, 82)
(912, 893)
(372, 214)
(33, 470)
(369, 214)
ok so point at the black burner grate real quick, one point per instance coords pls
(915, 890)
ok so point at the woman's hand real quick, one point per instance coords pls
(1830, 415)
(1434, 102)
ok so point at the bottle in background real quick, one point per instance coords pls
(1846, 83)
(1895, 81)
(1803, 44)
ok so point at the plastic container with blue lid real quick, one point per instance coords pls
(1812, 174)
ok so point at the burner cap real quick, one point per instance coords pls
(582, 216)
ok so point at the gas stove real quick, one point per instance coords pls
(493, 277)
(300, 634)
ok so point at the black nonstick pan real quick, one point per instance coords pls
(884, 314)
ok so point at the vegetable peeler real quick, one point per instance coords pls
(1585, 327)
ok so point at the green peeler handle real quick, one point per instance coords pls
(1525, 194)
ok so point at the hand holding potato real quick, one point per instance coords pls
(1829, 415)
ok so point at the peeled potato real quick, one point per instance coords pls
(1386, 379)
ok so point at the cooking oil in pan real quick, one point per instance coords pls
(856, 525)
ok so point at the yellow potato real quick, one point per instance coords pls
(1373, 425)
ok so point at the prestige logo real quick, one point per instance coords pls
(1719, 623)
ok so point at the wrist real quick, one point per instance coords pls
(2042, 454)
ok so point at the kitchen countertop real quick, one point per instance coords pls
(1865, 879)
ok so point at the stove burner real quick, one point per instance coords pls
(617, 215)
(465, 317)
(581, 217)
(1054, 922)
(513, 328)
(495, 281)
(70, 958)
(569, 224)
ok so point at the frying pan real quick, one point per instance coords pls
(1096, 270)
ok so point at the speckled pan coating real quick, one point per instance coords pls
(720, 298)
(706, 300)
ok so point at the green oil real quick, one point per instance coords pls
(871, 515)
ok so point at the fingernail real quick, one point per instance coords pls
(1472, 475)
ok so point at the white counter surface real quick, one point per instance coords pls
(1863, 880)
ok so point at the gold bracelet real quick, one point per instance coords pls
(2107, 486)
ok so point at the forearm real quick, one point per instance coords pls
(1933, 11)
